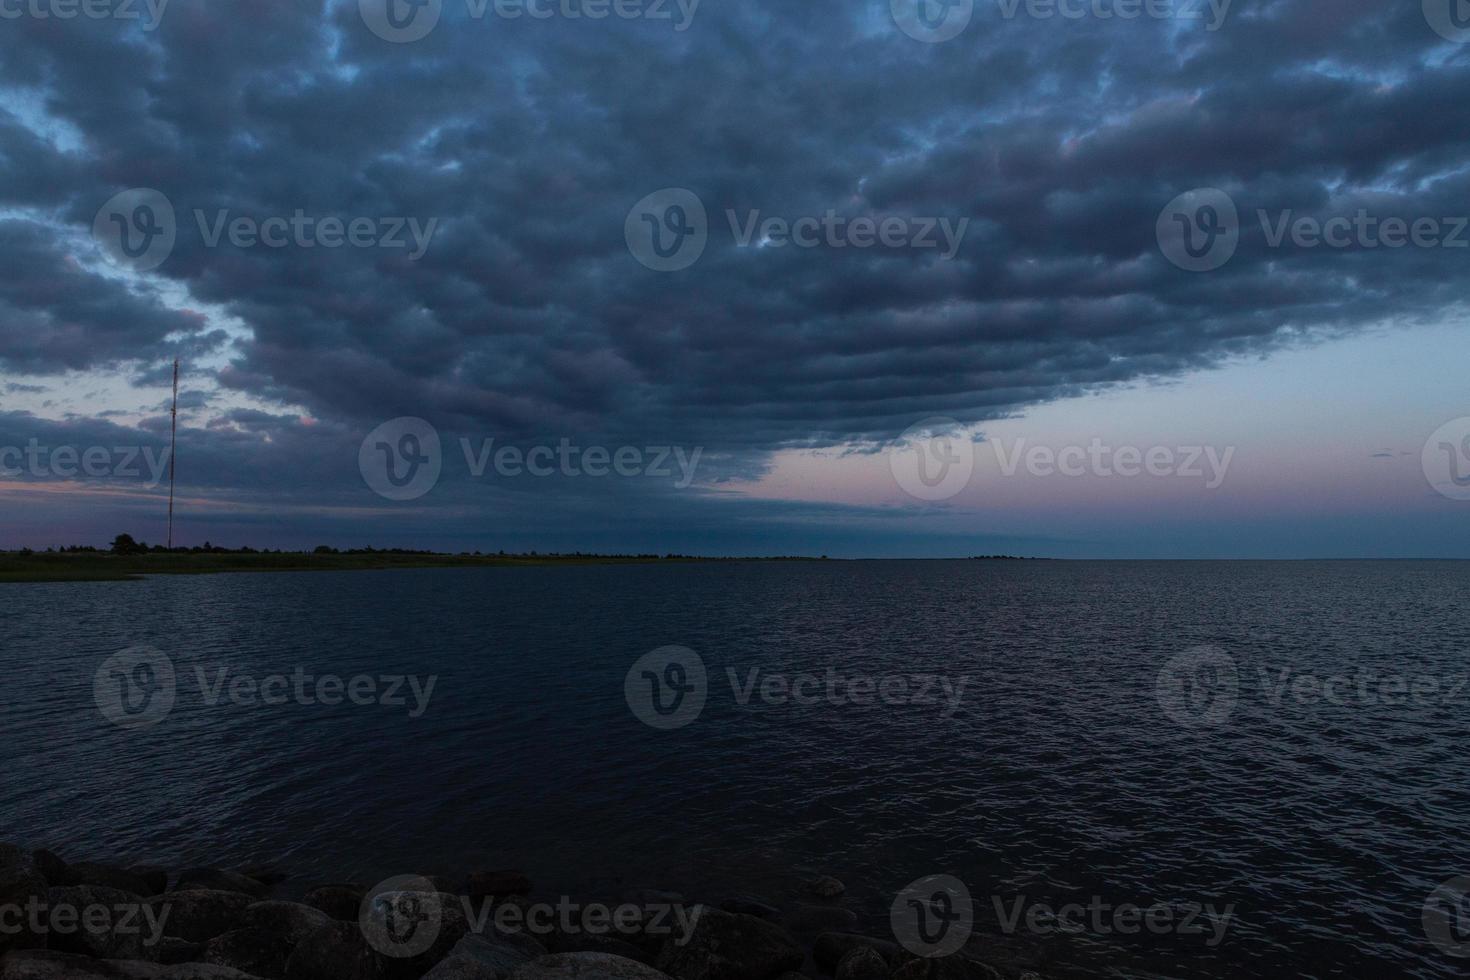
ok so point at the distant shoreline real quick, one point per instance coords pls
(22, 567)
(103, 566)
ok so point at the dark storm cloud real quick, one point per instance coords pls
(1059, 141)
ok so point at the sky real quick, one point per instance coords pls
(929, 278)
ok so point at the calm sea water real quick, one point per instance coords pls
(1323, 822)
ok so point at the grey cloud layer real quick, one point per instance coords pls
(529, 140)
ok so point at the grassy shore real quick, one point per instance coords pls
(106, 567)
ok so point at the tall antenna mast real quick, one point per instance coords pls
(173, 454)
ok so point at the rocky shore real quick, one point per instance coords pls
(93, 921)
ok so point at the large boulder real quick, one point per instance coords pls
(831, 947)
(21, 884)
(50, 965)
(394, 923)
(138, 881)
(214, 879)
(488, 956)
(954, 967)
(172, 950)
(290, 920)
(340, 902)
(57, 872)
(258, 951)
(585, 966)
(104, 923)
(200, 914)
(587, 942)
(750, 905)
(862, 963)
(825, 886)
(336, 951)
(730, 946)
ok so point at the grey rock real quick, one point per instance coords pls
(862, 963)
(54, 869)
(585, 966)
(404, 906)
(955, 967)
(490, 956)
(172, 950)
(257, 951)
(730, 946)
(583, 942)
(336, 951)
(291, 920)
(830, 947)
(154, 877)
(49, 965)
(340, 902)
(107, 923)
(20, 884)
(214, 879)
(111, 876)
(200, 914)
(750, 905)
(825, 886)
